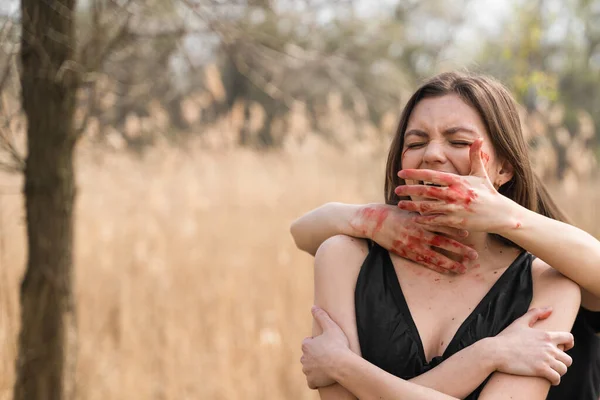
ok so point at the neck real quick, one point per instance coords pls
(486, 247)
(482, 242)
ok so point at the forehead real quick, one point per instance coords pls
(446, 111)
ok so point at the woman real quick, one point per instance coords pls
(490, 190)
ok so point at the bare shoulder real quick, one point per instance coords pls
(552, 289)
(547, 279)
(341, 253)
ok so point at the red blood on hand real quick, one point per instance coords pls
(485, 158)
(370, 214)
(441, 178)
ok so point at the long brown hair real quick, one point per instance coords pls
(498, 110)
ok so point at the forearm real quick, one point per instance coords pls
(313, 228)
(462, 373)
(366, 381)
(568, 249)
(335, 392)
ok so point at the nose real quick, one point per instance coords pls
(434, 153)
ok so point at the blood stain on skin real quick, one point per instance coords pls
(397, 248)
(461, 196)
(369, 214)
(437, 279)
(485, 157)
(518, 225)
(381, 217)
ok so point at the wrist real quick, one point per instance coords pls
(490, 353)
(512, 217)
(340, 365)
(363, 219)
(342, 218)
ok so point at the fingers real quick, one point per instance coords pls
(433, 259)
(563, 358)
(562, 338)
(459, 233)
(304, 347)
(475, 155)
(434, 192)
(550, 374)
(446, 220)
(559, 368)
(322, 318)
(437, 177)
(536, 314)
(453, 246)
(436, 264)
(426, 206)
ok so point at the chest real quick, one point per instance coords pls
(439, 304)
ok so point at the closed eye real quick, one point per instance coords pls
(460, 143)
(414, 145)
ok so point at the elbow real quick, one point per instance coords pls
(296, 232)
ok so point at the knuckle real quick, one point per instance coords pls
(568, 361)
(545, 336)
(540, 368)
(556, 381)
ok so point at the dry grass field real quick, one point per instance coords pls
(188, 284)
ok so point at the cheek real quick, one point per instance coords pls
(460, 159)
(410, 158)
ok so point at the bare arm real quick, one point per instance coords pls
(564, 296)
(568, 249)
(313, 228)
(387, 225)
(370, 382)
(519, 349)
(336, 269)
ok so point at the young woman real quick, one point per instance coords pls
(461, 146)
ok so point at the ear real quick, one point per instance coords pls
(504, 174)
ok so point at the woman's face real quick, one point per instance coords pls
(439, 133)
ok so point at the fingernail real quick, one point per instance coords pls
(473, 255)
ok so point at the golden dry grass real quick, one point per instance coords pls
(188, 284)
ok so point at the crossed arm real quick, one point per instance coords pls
(336, 267)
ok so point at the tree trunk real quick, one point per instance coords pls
(49, 85)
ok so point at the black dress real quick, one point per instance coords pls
(387, 333)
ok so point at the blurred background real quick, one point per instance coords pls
(207, 126)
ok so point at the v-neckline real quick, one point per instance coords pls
(405, 309)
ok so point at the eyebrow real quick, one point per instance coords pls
(447, 131)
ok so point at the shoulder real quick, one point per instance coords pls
(552, 289)
(340, 253)
(547, 279)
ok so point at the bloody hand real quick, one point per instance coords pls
(468, 202)
(395, 231)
